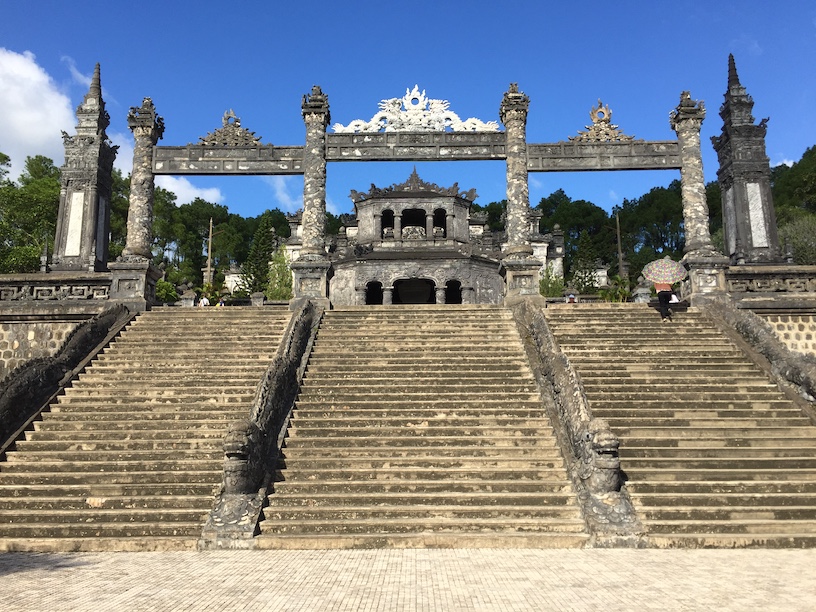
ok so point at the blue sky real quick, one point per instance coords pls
(196, 59)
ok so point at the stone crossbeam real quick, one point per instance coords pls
(418, 146)
(200, 159)
(582, 156)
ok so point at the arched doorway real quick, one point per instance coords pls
(453, 292)
(414, 291)
(374, 293)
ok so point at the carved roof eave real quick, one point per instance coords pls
(413, 187)
(602, 129)
(231, 134)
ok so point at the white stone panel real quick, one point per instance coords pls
(756, 214)
(73, 238)
(730, 221)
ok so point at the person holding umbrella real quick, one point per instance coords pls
(663, 273)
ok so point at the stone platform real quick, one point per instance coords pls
(409, 580)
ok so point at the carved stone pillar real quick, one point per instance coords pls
(686, 120)
(449, 220)
(311, 270)
(398, 227)
(429, 233)
(519, 268)
(388, 296)
(440, 295)
(706, 265)
(513, 113)
(360, 293)
(378, 229)
(83, 220)
(147, 128)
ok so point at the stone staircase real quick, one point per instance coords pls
(715, 453)
(420, 426)
(130, 456)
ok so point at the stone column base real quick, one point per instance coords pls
(706, 274)
(311, 277)
(521, 277)
(133, 283)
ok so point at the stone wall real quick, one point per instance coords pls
(796, 331)
(21, 341)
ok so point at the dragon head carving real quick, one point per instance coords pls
(242, 452)
(600, 468)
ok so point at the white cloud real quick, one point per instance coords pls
(613, 197)
(332, 207)
(33, 109)
(186, 192)
(281, 188)
(783, 162)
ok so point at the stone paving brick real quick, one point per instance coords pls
(412, 580)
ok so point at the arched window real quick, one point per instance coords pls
(440, 224)
(388, 224)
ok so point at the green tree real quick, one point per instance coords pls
(584, 279)
(496, 214)
(255, 271)
(280, 276)
(120, 192)
(794, 188)
(28, 215)
(800, 236)
(576, 217)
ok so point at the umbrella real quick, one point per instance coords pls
(664, 270)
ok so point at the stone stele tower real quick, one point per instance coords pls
(745, 179)
(83, 222)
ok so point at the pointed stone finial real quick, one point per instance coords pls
(733, 77)
(96, 83)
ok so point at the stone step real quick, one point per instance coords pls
(130, 445)
(636, 465)
(198, 430)
(439, 439)
(746, 526)
(428, 539)
(386, 396)
(425, 524)
(730, 512)
(666, 442)
(781, 410)
(719, 501)
(452, 499)
(90, 515)
(143, 410)
(285, 515)
(212, 477)
(380, 464)
(121, 529)
(92, 457)
(464, 410)
(701, 475)
(713, 432)
(421, 486)
(718, 452)
(544, 450)
(46, 493)
(420, 430)
(395, 421)
(629, 422)
(753, 488)
(386, 473)
(89, 464)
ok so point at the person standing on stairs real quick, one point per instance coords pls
(664, 296)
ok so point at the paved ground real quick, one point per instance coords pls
(549, 580)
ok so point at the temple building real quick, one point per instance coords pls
(419, 243)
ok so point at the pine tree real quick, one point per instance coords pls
(255, 271)
(280, 277)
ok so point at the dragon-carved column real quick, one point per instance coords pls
(312, 266)
(706, 265)
(520, 269)
(147, 128)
